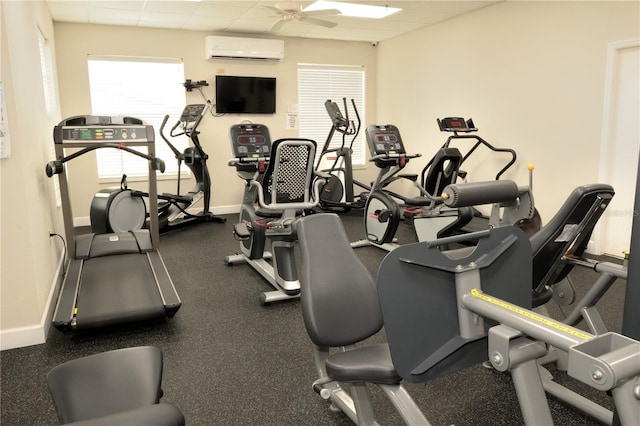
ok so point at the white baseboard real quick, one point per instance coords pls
(35, 334)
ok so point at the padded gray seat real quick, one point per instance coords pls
(371, 364)
(339, 302)
(340, 308)
(116, 387)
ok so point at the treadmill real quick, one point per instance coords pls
(112, 278)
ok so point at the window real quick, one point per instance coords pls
(316, 84)
(48, 79)
(50, 98)
(145, 88)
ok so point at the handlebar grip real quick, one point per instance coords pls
(158, 164)
(164, 121)
(54, 168)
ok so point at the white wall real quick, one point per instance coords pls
(28, 257)
(79, 40)
(531, 75)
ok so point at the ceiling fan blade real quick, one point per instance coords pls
(316, 21)
(275, 9)
(276, 27)
(278, 12)
(322, 12)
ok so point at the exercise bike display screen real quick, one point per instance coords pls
(385, 140)
(250, 141)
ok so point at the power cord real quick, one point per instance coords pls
(64, 244)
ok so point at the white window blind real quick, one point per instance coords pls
(144, 88)
(316, 84)
(48, 79)
(50, 98)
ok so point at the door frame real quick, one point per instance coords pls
(608, 121)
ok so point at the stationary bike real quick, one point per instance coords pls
(279, 178)
(121, 209)
(518, 211)
(432, 216)
(383, 213)
(337, 194)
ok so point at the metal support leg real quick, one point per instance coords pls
(405, 405)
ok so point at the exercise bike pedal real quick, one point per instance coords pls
(242, 231)
(384, 215)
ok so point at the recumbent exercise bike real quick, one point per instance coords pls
(281, 179)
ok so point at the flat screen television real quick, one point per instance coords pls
(245, 95)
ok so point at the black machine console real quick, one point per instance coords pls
(250, 142)
(191, 115)
(456, 124)
(384, 139)
(335, 114)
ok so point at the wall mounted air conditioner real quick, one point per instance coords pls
(218, 47)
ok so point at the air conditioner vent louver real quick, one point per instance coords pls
(218, 47)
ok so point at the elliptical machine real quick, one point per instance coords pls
(337, 194)
(174, 212)
(121, 209)
(279, 178)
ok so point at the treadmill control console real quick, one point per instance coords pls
(249, 141)
(90, 129)
(104, 134)
(384, 139)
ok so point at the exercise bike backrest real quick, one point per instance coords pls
(443, 170)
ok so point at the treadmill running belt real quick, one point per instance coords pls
(117, 289)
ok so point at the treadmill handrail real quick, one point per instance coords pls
(53, 167)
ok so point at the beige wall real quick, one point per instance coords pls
(532, 76)
(81, 40)
(28, 257)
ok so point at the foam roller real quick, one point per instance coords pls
(479, 193)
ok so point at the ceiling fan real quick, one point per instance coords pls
(292, 11)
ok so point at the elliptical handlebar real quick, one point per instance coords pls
(177, 153)
(192, 113)
(458, 125)
(341, 123)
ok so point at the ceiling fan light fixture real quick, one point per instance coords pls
(354, 10)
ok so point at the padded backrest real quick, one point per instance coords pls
(339, 298)
(443, 170)
(289, 173)
(106, 383)
(568, 232)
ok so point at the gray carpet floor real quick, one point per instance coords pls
(230, 360)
